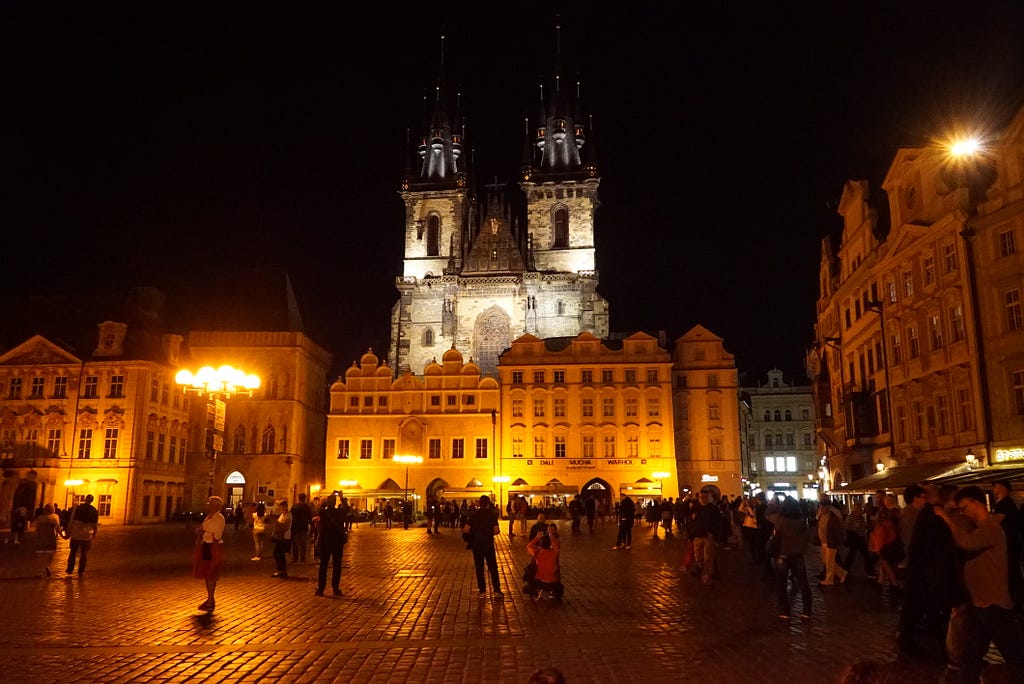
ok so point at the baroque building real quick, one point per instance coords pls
(588, 416)
(916, 363)
(781, 444)
(480, 272)
(89, 406)
(706, 413)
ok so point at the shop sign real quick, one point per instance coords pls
(708, 478)
(1009, 455)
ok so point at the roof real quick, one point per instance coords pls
(899, 477)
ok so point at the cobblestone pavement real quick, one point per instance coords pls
(410, 613)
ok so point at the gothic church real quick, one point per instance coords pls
(478, 272)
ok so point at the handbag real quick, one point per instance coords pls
(530, 573)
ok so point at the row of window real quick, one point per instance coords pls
(154, 503)
(779, 440)
(777, 415)
(102, 502)
(158, 442)
(558, 376)
(160, 391)
(937, 417)
(631, 407)
(387, 448)
(587, 446)
(450, 400)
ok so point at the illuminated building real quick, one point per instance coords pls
(706, 413)
(589, 416)
(901, 378)
(480, 272)
(93, 409)
(447, 416)
(780, 437)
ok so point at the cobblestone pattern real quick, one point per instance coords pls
(410, 613)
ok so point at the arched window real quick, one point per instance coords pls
(239, 440)
(789, 415)
(271, 388)
(778, 415)
(767, 416)
(561, 307)
(561, 231)
(433, 235)
(267, 447)
(428, 337)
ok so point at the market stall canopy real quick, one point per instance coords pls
(978, 476)
(560, 489)
(899, 477)
(465, 492)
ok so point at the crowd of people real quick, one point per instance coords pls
(949, 558)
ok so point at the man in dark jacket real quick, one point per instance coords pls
(480, 530)
(627, 514)
(706, 519)
(331, 540)
(1011, 523)
(302, 514)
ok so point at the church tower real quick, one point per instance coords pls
(479, 271)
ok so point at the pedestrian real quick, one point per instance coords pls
(748, 529)
(302, 514)
(282, 538)
(522, 512)
(627, 516)
(706, 520)
(47, 527)
(406, 514)
(239, 515)
(1011, 524)
(510, 509)
(576, 513)
(856, 538)
(930, 587)
(830, 537)
(330, 546)
(389, 512)
(259, 529)
(19, 521)
(546, 551)
(989, 616)
(209, 553)
(539, 527)
(786, 548)
(82, 529)
(590, 507)
(479, 533)
(765, 529)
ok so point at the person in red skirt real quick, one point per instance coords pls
(209, 554)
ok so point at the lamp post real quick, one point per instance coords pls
(407, 460)
(659, 476)
(501, 480)
(962, 154)
(216, 385)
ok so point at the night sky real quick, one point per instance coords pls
(154, 143)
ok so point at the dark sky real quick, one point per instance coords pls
(154, 143)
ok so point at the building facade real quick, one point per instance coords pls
(781, 438)
(480, 272)
(272, 441)
(916, 361)
(706, 413)
(447, 417)
(108, 421)
(587, 416)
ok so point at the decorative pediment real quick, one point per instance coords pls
(38, 351)
(113, 417)
(87, 418)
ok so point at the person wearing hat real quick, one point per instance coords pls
(479, 532)
(81, 531)
(209, 555)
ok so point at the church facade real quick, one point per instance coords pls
(479, 272)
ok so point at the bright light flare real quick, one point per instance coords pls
(223, 380)
(407, 459)
(965, 147)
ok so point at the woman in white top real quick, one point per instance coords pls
(259, 527)
(209, 555)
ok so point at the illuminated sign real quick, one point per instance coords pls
(1009, 455)
(708, 478)
(235, 478)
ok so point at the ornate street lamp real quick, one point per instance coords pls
(217, 386)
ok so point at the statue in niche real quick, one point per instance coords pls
(448, 318)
